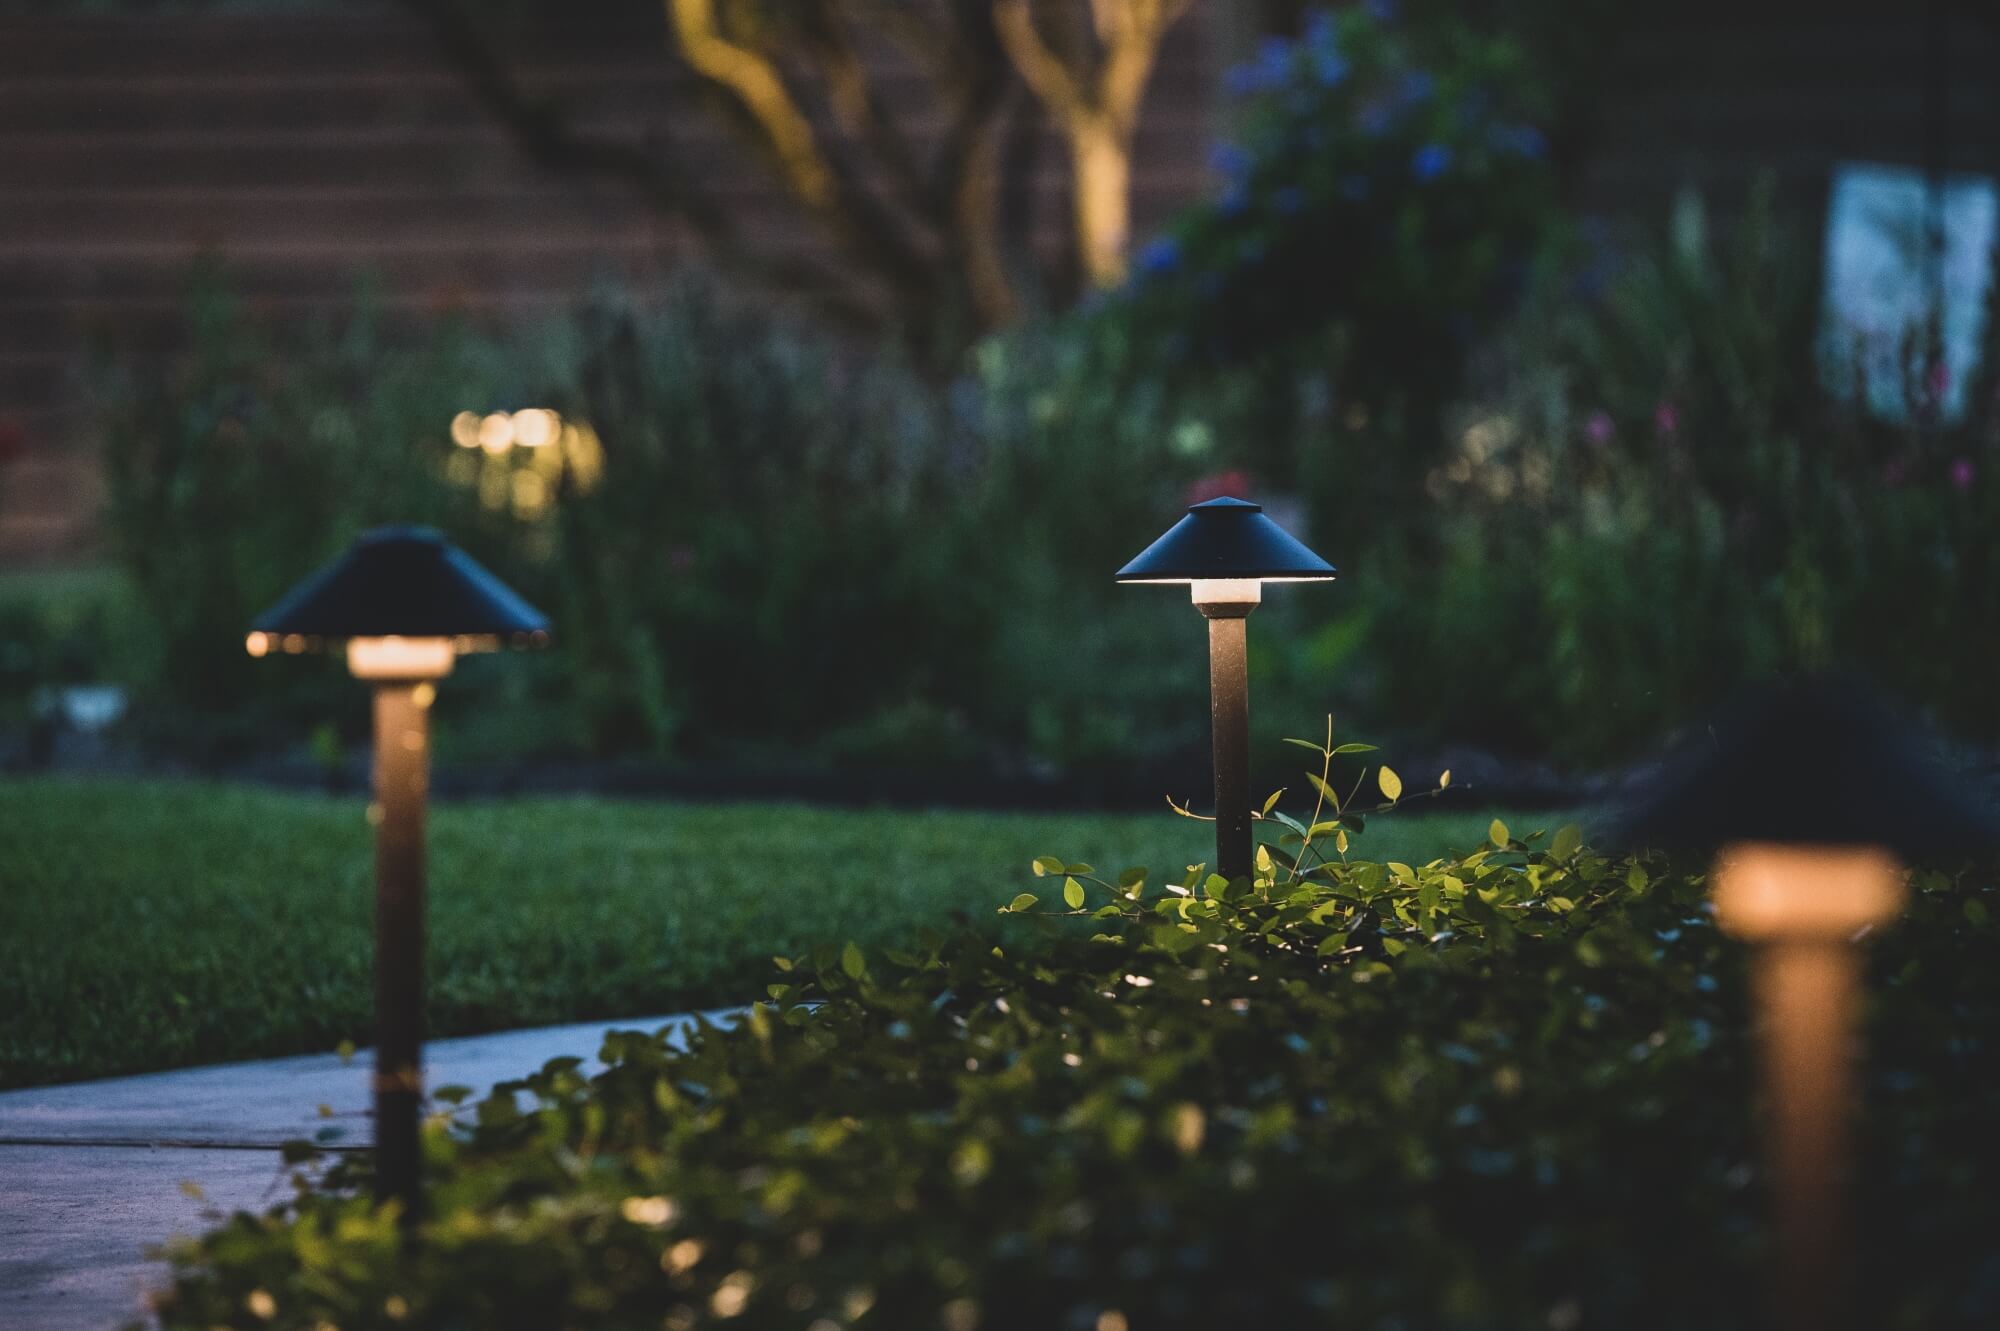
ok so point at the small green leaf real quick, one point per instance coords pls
(1403, 871)
(1354, 748)
(1497, 833)
(1444, 778)
(853, 962)
(1026, 901)
(1307, 744)
(1319, 784)
(1046, 865)
(1272, 802)
(1392, 785)
(1077, 868)
(1072, 894)
(1569, 840)
(782, 963)
(1975, 911)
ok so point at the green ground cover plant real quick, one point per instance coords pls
(1509, 1087)
(154, 924)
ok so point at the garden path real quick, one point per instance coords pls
(94, 1173)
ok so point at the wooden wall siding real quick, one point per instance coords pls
(310, 147)
(1715, 94)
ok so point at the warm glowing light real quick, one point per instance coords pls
(535, 427)
(1227, 591)
(584, 452)
(1767, 890)
(465, 429)
(399, 658)
(258, 644)
(496, 432)
(531, 495)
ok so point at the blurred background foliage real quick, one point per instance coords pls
(1578, 485)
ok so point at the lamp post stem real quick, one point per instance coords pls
(1806, 989)
(402, 776)
(1229, 715)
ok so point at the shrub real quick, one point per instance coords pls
(242, 461)
(1505, 1088)
(1658, 501)
(1382, 207)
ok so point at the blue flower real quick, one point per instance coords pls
(1431, 161)
(1234, 200)
(1383, 11)
(1416, 86)
(1230, 160)
(1321, 30)
(1291, 200)
(1376, 118)
(1525, 140)
(1329, 68)
(1269, 70)
(1160, 258)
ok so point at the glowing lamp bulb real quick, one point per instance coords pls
(399, 658)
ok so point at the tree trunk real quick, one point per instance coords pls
(1102, 158)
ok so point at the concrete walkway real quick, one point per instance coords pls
(94, 1173)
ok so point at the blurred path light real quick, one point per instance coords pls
(406, 604)
(1810, 797)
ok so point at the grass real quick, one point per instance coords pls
(152, 924)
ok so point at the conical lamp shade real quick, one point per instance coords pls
(403, 582)
(1815, 762)
(1225, 539)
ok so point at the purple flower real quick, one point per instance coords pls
(1962, 474)
(1667, 419)
(1597, 427)
(1431, 161)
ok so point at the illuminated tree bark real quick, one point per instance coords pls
(919, 224)
(1095, 102)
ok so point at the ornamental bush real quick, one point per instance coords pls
(1507, 1088)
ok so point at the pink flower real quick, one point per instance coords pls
(1223, 484)
(1666, 418)
(1597, 427)
(1962, 472)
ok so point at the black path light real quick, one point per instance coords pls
(406, 603)
(1812, 798)
(1226, 550)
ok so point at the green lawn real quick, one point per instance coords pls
(149, 924)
